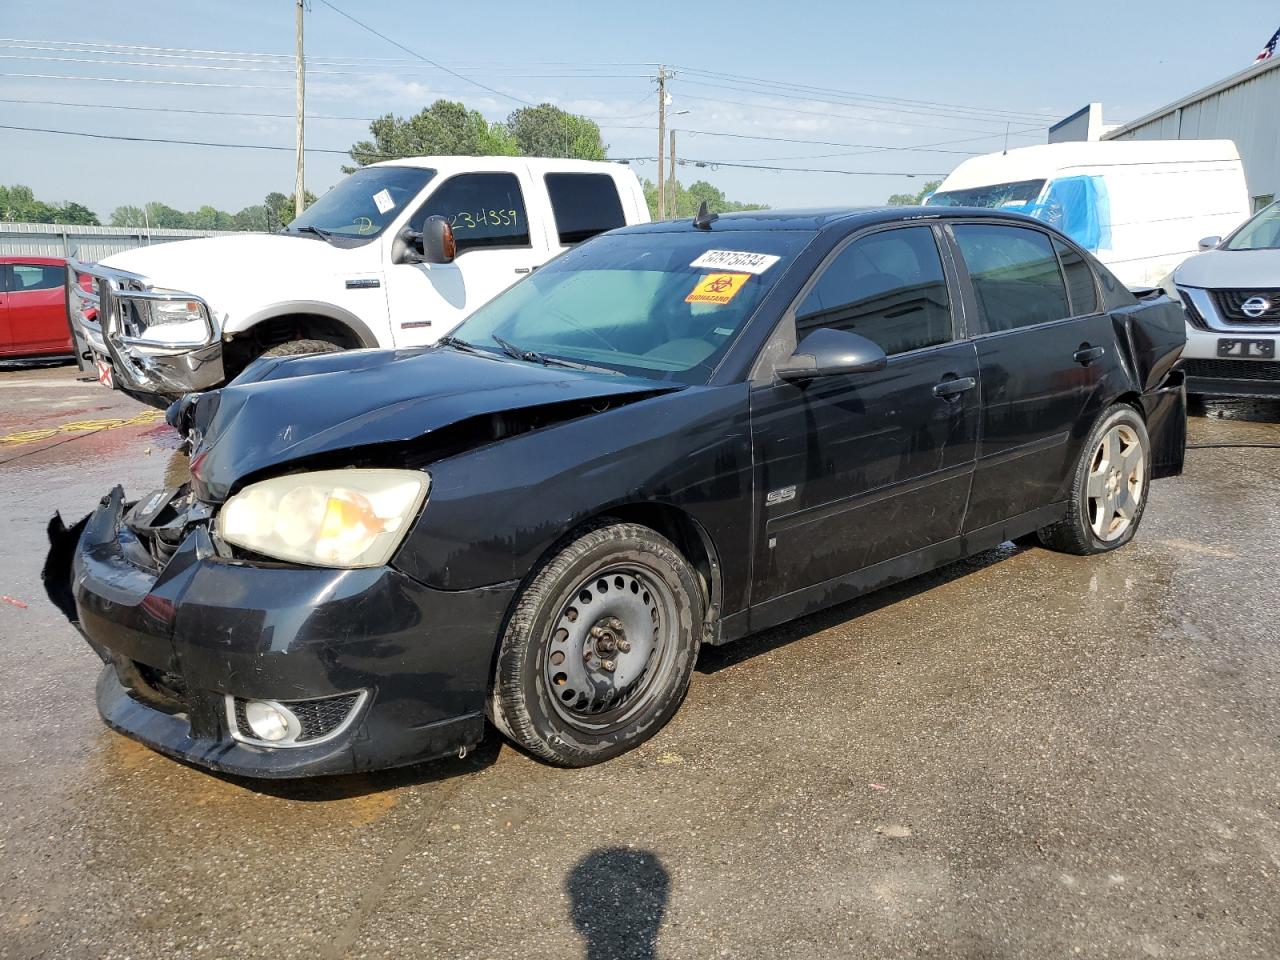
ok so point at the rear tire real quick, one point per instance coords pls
(298, 348)
(599, 651)
(1109, 487)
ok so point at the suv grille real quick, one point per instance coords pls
(1231, 302)
(1232, 369)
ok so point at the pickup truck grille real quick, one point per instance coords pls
(1230, 305)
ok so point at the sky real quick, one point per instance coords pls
(857, 83)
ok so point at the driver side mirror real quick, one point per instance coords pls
(435, 244)
(828, 352)
(1210, 243)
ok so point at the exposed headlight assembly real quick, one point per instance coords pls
(330, 518)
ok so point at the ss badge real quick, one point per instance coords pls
(781, 495)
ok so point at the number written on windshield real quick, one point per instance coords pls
(471, 220)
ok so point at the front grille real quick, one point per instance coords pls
(1230, 305)
(1232, 369)
(1193, 315)
(318, 718)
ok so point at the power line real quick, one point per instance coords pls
(869, 96)
(414, 53)
(163, 83)
(829, 115)
(193, 143)
(212, 113)
(816, 143)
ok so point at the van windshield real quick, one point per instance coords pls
(1260, 233)
(361, 206)
(1002, 196)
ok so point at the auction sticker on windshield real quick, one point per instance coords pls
(739, 260)
(717, 288)
(382, 200)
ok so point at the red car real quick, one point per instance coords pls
(33, 307)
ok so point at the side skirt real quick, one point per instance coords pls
(852, 585)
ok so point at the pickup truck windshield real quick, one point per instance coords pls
(665, 306)
(1003, 196)
(361, 206)
(1260, 233)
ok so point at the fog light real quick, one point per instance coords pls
(271, 721)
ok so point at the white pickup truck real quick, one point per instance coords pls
(354, 270)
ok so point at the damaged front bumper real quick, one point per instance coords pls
(152, 361)
(384, 670)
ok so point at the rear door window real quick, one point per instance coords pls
(1081, 289)
(888, 287)
(584, 204)
(1015, 276)
(484, 209)
(27, 277)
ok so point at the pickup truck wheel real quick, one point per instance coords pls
(1109, 487)
(297, 348)
(598, 654)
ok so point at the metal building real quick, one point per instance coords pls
(85, 243)
(1244, 108)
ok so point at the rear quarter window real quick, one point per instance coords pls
(584, 204)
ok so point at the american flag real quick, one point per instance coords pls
(1269, 50)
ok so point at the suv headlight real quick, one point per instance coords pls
(330, 518)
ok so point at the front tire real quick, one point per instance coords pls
(599, 651)
(1109, 487)
(301, 348)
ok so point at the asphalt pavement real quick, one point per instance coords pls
(1022, 755)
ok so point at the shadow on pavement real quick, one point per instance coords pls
(1247, 410)
(713, 659)
(617, 900)
(347, 787)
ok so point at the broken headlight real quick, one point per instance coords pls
(330, 518)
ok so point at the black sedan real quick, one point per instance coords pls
(672, 435)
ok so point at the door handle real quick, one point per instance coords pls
(1087, 354)
(950, 389)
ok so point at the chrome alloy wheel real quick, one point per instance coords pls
(1117, 483)
(611, 646)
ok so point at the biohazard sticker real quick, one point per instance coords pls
(740, 261)
(717, 288)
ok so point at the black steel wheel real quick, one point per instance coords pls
(599, 651)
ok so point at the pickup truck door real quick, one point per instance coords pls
(497, 245)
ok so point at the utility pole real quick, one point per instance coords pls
(299, 191)
(662, 135)
(675, 191)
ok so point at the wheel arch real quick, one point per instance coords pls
(326, 317)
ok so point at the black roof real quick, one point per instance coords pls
(821, 218)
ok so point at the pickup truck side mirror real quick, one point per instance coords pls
(435, 244)
(827, 352)
(1209, 243)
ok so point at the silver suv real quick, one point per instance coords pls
(1231, 294)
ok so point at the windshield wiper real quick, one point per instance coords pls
(519, 353)
(308, 228)
(451, 341)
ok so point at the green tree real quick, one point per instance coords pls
(162, 215)
(279, 209)
(446, 128)
(74, 213)
(18, 203)
(913, 200)
(682, 202)
(128, 216)
(548, 131)
(254, 218)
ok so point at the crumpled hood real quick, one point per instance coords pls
(288, 409)
(1230, 269)
(214, 267)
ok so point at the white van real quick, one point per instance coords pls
(1141, 206)
(350, 272)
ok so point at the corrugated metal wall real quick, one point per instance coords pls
(1247, 112)
(86, 243)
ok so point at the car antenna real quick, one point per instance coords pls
(704, 217)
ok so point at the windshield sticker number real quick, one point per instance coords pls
(718, 288)
(383, 201)
(468, 220)
(737, 260)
